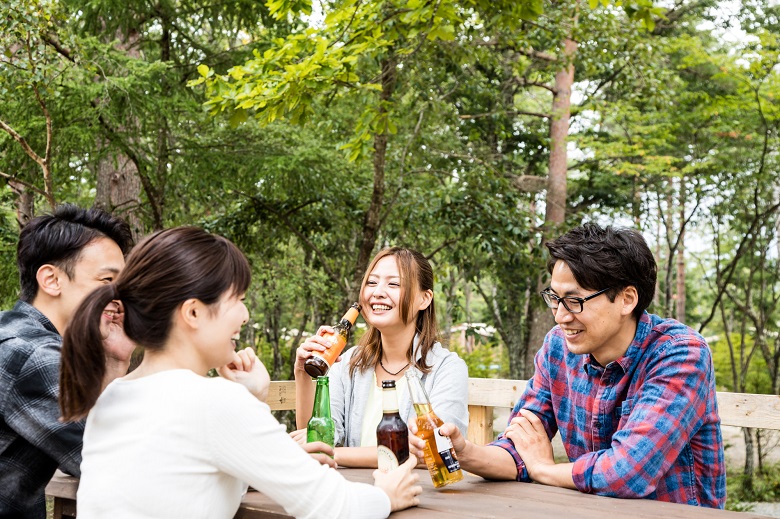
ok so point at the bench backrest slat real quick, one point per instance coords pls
(737, 409)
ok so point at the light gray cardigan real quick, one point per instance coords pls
(446, 385)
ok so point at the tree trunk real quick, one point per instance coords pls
(559, 131)
(540, 321)
(273, 318)
(516, 348)
(540, 318)
(372, 219)
(25, 203)
(118, 190)
(680, 307)
(118, 183)
(449, 302)
(749, 469)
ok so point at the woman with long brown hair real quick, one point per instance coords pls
(168, 441)
(396, 298)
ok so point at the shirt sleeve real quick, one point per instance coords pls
(678, 388)
(246, 442)
(537, 397)
(449, 392)
(33, 410)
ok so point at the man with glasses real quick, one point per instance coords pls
(632, 394)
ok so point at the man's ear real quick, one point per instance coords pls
(49, 280)
(630, 298)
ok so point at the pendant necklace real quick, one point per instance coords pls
(390, 372)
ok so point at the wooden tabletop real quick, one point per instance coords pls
(473, 497)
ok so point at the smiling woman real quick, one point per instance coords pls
(168, 441)
(398, 305)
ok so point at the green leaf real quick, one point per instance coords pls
(239, 116)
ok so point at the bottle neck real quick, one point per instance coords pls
(343, 325)
(322, 401)
(389, 400)
(417, 392)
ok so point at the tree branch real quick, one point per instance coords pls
(306, 241)
(21, 140)
(26, 184)
(508, 112)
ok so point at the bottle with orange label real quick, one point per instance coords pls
(439, 454)
(320, 362)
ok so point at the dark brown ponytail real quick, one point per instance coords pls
(82, 347)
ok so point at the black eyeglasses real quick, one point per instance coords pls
(573, 304)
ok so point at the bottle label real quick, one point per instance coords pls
(386, 460)
(444, 446)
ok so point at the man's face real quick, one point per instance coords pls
(98, 264)
(604, 328)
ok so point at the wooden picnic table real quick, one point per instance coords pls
(473, 498)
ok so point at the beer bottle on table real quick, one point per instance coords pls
(392, 435)
(321, 427)
(320, 362)
(439, 454)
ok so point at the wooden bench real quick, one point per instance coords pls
(485, 394)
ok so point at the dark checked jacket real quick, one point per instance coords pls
(33, 442)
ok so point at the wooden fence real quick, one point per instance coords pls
(485, 394)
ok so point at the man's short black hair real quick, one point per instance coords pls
(58, 239)
(607, 257)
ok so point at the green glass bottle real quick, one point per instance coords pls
(321, 427)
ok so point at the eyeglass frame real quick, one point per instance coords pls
(581, 300)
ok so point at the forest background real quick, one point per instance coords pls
(472, 130)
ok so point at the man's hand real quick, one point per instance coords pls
(247, 370)
(117, 345)
(417, 445)
(321, 452)
(530, 438)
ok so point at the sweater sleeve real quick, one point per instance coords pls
(449, 391)
(338, 398)
(246, 442)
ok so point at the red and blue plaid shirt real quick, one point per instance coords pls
(644, 426)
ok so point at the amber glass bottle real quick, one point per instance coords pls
(320, 362)
(439, 454)
(392, 435)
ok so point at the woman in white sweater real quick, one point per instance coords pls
(168, 441)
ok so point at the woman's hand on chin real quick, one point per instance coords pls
(249, 371)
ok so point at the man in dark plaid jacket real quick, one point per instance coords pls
(61, 257)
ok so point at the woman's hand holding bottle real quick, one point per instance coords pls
(400, 485)
(313, 343)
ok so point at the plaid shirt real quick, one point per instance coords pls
(644, 426)
(33, 442)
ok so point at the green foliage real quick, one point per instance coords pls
(765, 487)
(485, 360)
(754, 379)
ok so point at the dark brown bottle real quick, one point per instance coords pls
(392, 435)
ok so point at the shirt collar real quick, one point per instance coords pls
(633, 352)
(32, 312)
